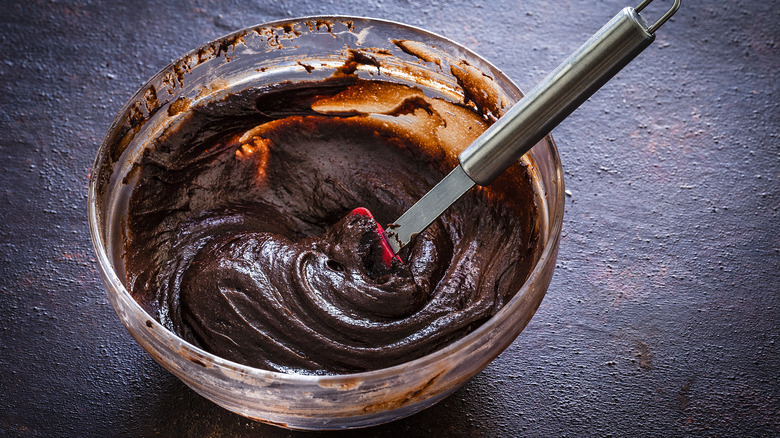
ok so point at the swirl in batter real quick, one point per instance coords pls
(239, 238)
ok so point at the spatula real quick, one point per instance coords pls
(529, 120)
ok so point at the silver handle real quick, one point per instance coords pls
(560, 93)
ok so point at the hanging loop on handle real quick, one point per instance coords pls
(663, 18)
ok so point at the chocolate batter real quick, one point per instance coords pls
(239, 238)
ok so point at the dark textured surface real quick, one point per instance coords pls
(662, 317)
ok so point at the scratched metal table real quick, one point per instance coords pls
(663, 315)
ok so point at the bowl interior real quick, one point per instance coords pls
(303, 50)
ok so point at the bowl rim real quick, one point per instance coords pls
(181, 346)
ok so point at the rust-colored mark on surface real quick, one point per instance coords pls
(684, 396)
(76, 257)
(645, 356)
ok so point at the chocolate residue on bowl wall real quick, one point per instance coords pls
(356, 58)
(238, 238)
(478, 88)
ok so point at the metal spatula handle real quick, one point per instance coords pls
(560, 93)
(536, 114)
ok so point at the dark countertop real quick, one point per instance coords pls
(663, 317)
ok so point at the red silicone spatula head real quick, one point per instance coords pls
(387, 251)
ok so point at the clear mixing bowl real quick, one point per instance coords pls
(286, 51)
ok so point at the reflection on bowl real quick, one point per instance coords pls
(301, 50)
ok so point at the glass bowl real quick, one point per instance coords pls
(284, 51)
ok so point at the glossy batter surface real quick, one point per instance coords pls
(239, 238)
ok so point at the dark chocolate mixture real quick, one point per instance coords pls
(239, 238)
